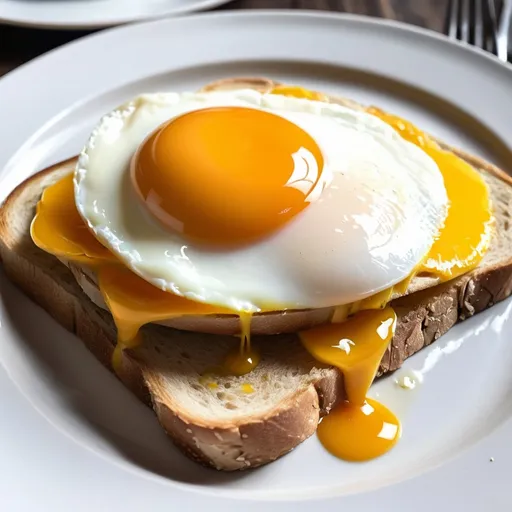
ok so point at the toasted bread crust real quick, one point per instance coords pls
(223, 445)
(422, 318)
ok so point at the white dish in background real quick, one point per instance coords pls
(94, 14)
(78, 440)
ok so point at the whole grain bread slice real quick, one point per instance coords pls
(212, 418)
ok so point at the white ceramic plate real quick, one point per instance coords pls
(74, 439)
(93, 14)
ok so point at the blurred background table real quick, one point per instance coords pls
(19, 45)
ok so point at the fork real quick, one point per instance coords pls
(475, 22)
(504, 31)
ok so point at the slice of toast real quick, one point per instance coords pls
(214, 419)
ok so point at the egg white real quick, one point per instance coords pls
(371, 226)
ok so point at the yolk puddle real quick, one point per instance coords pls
(359, 432)
(356, 348)
(465, 236)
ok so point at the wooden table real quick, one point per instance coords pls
(18, 45)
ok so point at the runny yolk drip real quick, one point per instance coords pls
(360, 428)
(244, 359)
(133, 302)
(227, 175)
(378, 300)
(58, 229)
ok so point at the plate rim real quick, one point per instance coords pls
(288, 14)
(200, 5)
(312, 14)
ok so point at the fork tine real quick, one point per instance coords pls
(491, 42)
(503, 31)
(478, 34)
(454, 19)
(475, 22)
(464, 21)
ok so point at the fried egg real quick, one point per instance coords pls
(259, 202)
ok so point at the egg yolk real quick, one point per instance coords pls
(134, 302)
(227, 175)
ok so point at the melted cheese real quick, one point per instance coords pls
(466, 235)
(58, 229)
